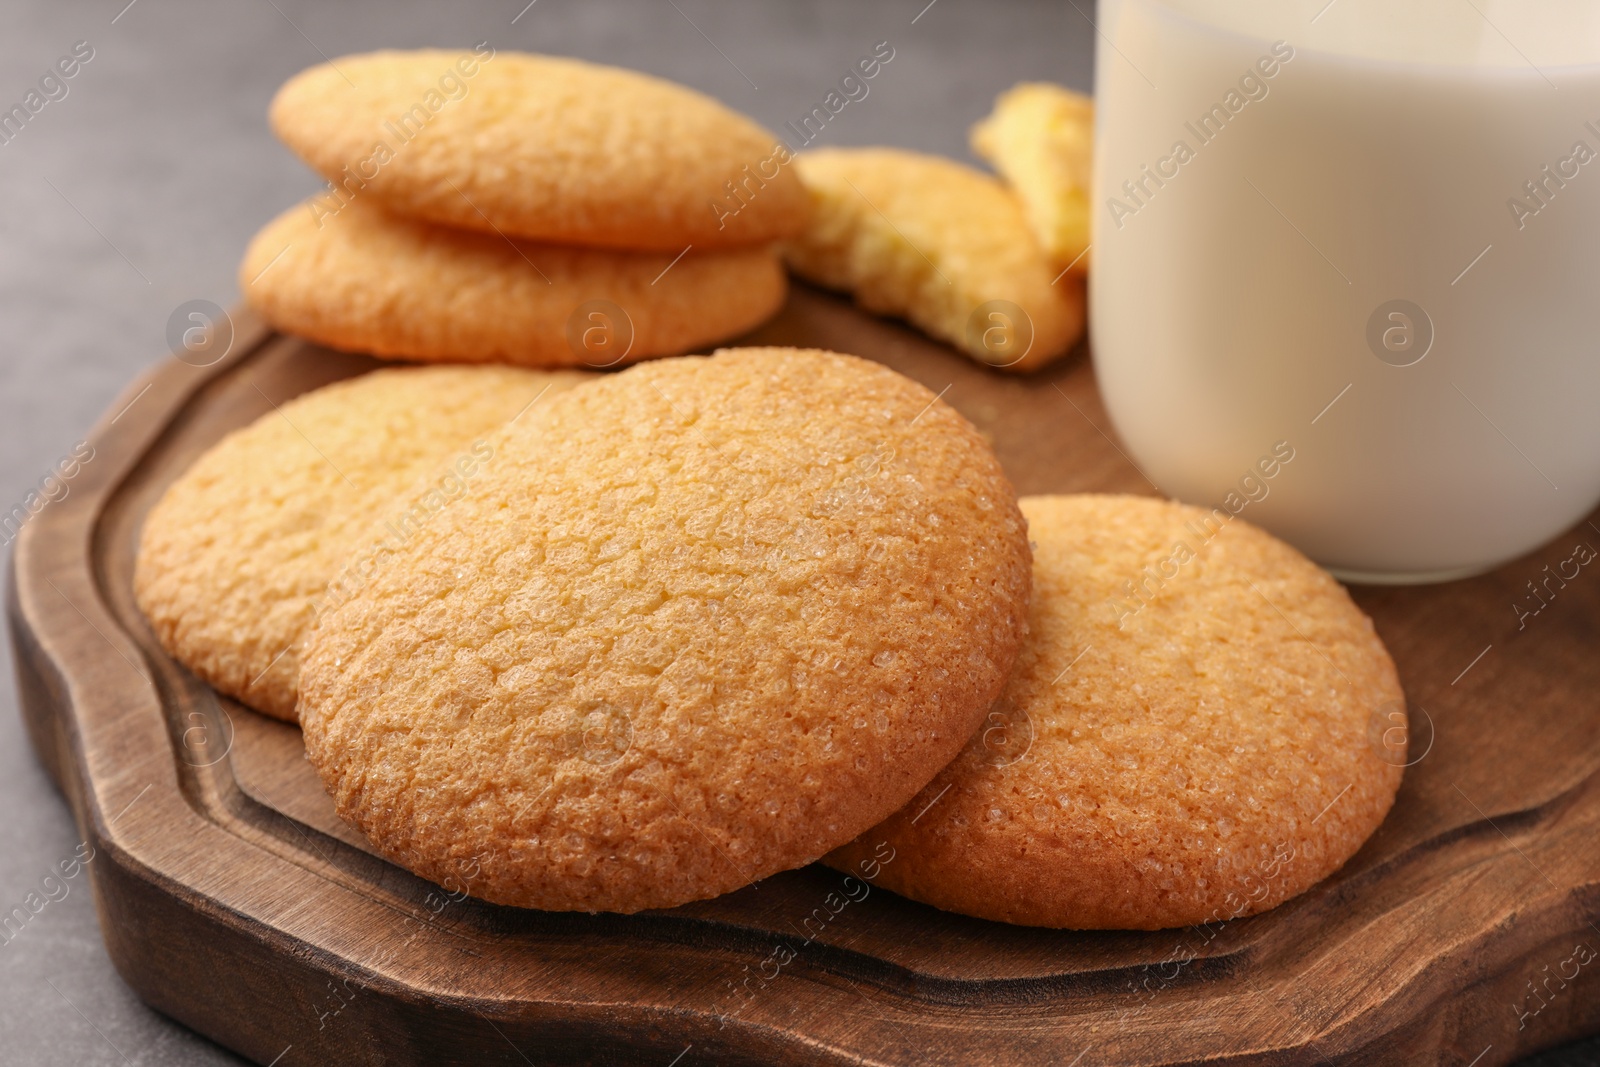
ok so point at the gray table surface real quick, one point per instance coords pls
(138, 190)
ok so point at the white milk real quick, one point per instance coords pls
(1248, 281)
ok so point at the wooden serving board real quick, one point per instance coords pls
(233, 899)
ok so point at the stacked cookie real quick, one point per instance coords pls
(526, 209)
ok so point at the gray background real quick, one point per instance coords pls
(138, 192)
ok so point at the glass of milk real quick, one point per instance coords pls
(1346, 269)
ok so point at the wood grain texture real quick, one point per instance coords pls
(234, 900)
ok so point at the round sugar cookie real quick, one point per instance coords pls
(541, 147)
(1201, 725)
(706, 620)
(244, 550)
(368, 281)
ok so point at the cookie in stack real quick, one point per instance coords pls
(491, 206)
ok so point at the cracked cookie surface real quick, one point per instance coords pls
(237, 555)
(1201, 725)
(365, 280)
(706, 619)
(541, 147)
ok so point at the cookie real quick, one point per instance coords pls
(706, 620)
(1201, 725)
(369, 281)
(941, 245)
(540, 147)
(1040, 137)
(236, 559)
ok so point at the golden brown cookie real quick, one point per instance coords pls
(368, 281)
(1200, 726)
(705, 620)
(540, 147)
(940, 244)
(1040, 137)
(236, 559)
